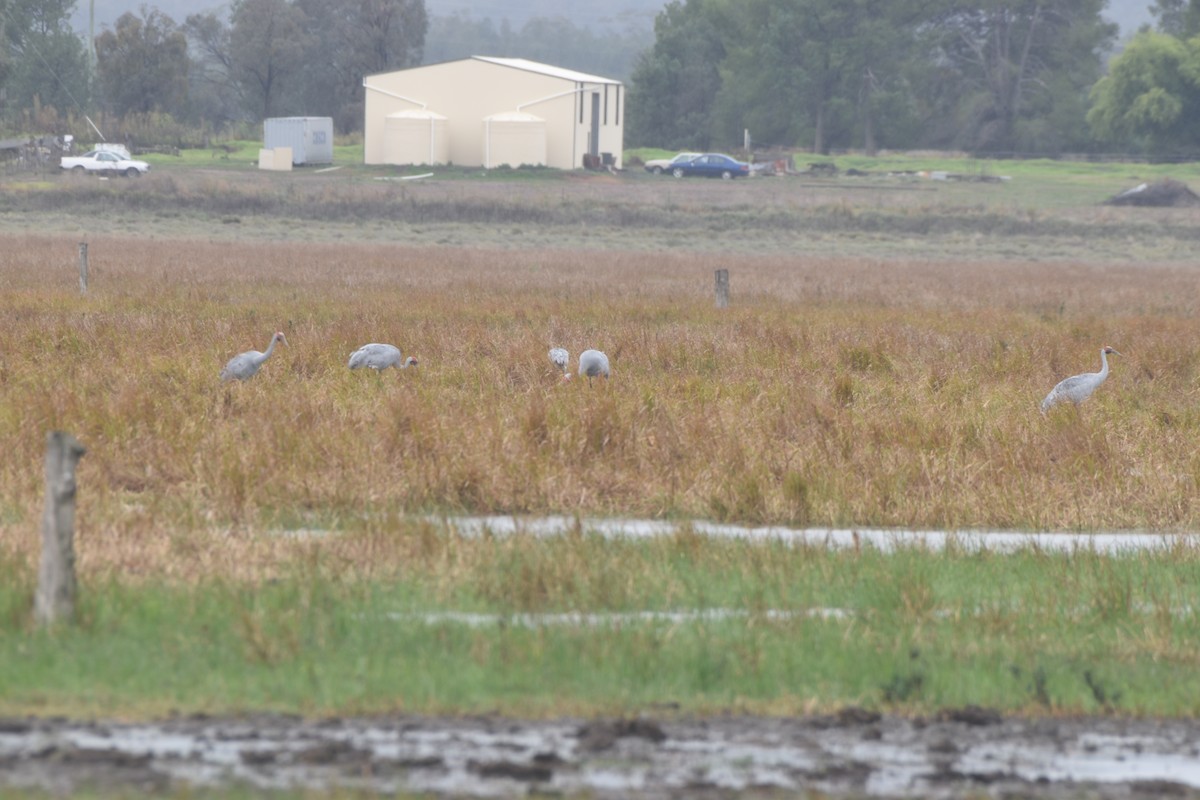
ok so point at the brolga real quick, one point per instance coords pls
(592, 364)
(1078, 388)
(559, 358)
(245, 365)
(379, 357)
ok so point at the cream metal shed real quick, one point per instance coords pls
(580, 115)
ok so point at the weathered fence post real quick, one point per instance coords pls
(83, 268)
(55, 598)
(722, 288)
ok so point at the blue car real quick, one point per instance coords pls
(712, 165)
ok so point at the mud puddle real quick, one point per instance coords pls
(856, 753)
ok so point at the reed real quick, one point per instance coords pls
(833, 392)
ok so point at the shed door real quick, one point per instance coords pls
(594, 138)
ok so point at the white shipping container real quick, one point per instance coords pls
(311, 138)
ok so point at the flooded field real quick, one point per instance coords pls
(885, 540)
(856, 753)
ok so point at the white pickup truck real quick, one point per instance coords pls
(105, 162)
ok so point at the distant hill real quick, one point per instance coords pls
(618, 14)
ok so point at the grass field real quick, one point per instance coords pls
(881, 365)
(337, 629)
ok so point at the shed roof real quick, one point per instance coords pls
(545, 69)
(517, 63)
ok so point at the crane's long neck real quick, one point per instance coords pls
(271, 348)
(1103, 373)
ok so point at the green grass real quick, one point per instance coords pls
(1034, 184)
(881, 365)
(897, 189)
(242, 156)
(1025, 632)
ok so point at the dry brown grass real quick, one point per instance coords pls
(835, 391)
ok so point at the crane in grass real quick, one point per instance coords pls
(559, 357)
(1078, 388)
(592, 364)
(379, 357)
(245, 365)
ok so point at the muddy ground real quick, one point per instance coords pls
(856, 753)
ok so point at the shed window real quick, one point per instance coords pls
(617, 110)
(606, 104)
(580, 95)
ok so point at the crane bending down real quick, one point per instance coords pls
(1078, 388)
(379, 357)
(243, 366)
(559, 358)
(593, 363)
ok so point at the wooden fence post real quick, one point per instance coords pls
(722, 288)
(83, 276)
(55, 598)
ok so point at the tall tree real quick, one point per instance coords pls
(214, 93)
(268, 45)
(142, 64)
(1151, 96)
(554, 40)
(1178, 18)
(1017, 60)
(817, 70)
(43, 62)
(356, 38)
(675, 82)
(458, 35)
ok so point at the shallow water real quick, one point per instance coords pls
(856, 753)
(886, 540)
(883, 539)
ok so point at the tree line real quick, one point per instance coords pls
(152, 77)
(987, 76)
(207, 72)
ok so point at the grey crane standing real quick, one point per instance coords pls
(245, 365)
(593, 363)
(559, 358)
(1078, 388)
(379, 357)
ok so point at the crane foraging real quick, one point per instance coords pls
(245, 365)
(559, 358)
(1078, 388)
(379, 357)
(593, 363)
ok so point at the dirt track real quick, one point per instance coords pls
(853, 754)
